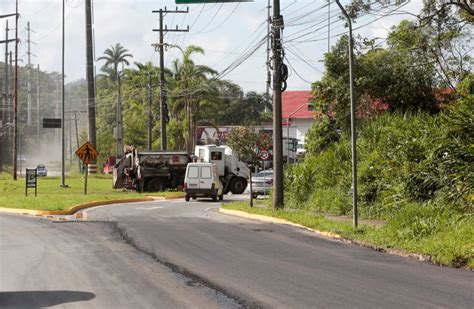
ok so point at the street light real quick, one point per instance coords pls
(288, 131)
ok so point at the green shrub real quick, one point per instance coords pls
(321, 135)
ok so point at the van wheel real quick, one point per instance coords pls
(238, 185)
(214, 198)
(194, 197)
(186, 197)
(156, 185)
(221, 197)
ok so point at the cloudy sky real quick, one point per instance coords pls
(227, 32)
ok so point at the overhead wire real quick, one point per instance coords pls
(211, 20)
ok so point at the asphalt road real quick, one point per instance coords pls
(88, 265)
(167, 254)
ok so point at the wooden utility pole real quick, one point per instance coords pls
(150, 115)
(119, 132)
(277, 26)
(90, 80)
(160, 46)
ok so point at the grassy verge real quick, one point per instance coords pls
(52, 197)
(450, 245)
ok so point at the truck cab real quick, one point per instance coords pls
(232, 172)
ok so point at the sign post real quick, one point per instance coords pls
(87, 153)
(31, 180)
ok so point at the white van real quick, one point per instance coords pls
(202, 179)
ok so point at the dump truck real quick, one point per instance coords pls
(233, 173)
(151, 170)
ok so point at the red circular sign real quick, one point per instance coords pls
(264, 155)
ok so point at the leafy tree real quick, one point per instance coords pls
(243, 141)
(321, 134)
(421, 59)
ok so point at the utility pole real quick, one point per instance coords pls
(5, 107)
(15, 102)
(63, 137)
(90, 81)
(38, 104)
(150, 115)
(353, 118)
(28, 41)
(267, 90)
(77, 139)
(119, 132)
(161, 45)
(11, 89)
(278, 68)
(70, 138)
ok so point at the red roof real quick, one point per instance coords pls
(295, 103)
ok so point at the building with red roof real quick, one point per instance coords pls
(297, 114)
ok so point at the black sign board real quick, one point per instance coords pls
(52, 123)
(31, 179)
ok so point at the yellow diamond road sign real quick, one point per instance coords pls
(87, 153)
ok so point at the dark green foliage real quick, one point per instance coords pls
(450, 167)
(411, 157)
(321, 134)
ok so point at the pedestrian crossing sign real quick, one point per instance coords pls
(87, 153)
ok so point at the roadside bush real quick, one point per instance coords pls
(321, 134)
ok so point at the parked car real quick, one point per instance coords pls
(262, 183)
(41, 170)
(202, 179)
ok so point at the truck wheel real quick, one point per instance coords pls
(186, 197)
(238, 185)
(156, 185)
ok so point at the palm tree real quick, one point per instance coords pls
(190, 87)
(114, 56)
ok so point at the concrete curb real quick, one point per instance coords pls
(82, 206)
(267, 219)
(262, 218)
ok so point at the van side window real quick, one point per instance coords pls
(206, 172)
(193, 172)
(216, 155)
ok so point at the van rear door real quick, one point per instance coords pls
(192, 177)
(207, 178)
